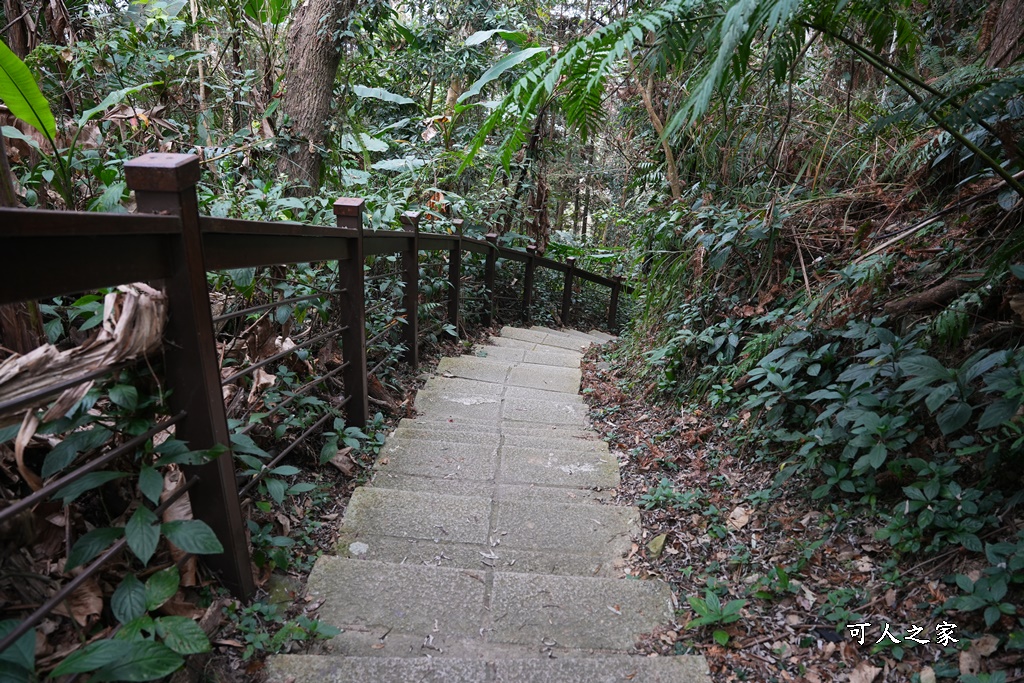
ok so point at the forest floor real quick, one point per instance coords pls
(805, 571)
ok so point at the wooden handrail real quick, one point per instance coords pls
(168, 241)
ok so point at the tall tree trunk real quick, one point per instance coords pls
(1002, 33)
(670, 159)
(312, 64)
(17, 35)
(576, 209)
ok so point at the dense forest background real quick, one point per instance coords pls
(819, 203)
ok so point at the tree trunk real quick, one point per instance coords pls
(1002, 33)
(670, 160)
(17, 35)
(310, 69)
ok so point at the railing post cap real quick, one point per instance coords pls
(571, 260)
(457, 225)
(491, 237)
(532, 248)
(348, 206)
(159, 172)
(411, 220)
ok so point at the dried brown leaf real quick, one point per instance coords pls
(864, 672)
(85, 602)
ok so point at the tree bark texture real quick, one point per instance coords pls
(312, 64)
(646, 93)
(17, 34)
(1002, 33)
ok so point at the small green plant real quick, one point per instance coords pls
(266, 629)
(665, 496)
(145, 647)
(712, 612)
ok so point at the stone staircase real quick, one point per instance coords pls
(484, 550)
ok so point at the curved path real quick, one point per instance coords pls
(484, 550)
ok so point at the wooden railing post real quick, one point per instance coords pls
(567, 290)
(165, 184)
(455, 276)
(531, 265)
(411, 297)
(490, 266)
(613, 304)
(348, 213)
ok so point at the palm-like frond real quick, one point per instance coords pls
(715, 42)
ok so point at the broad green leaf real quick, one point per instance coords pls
(143, 533)
(938, 396)
(362, 142)
(22, 652)
(129, 600)
(87, 483)
(21, 94)
(124, 395)
(267, 11)
(15, 134)
(115, 97)
(13, 673)
(242, 277)
(67, 450)
(954, 417)
(161, 587)
(193, 536)
(285, 471)
(173, 452)
(110, 200)
(363, 92)
(182, 635)
(997, 413)
(90, 545)
(151, 483)
(92, 657)
(8, 433)
(720, 637)
(406, 164)
(142, 628)
(243, 443)
(276, 488)
(483, 36)
(499, 68)
(144, 661)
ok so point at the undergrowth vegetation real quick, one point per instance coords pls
(819, 204)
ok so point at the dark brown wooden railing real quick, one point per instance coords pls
(44, 254)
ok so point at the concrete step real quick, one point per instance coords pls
(568, 464)
(374, 602)
(440, 669)
(518, 404)
(556, 339)
(471, 532)
(506, 428)
(568, 331)
(461, 486)
(525, 434)
(548, 356)
(536, 347)
(603, 336)
(546, 377)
